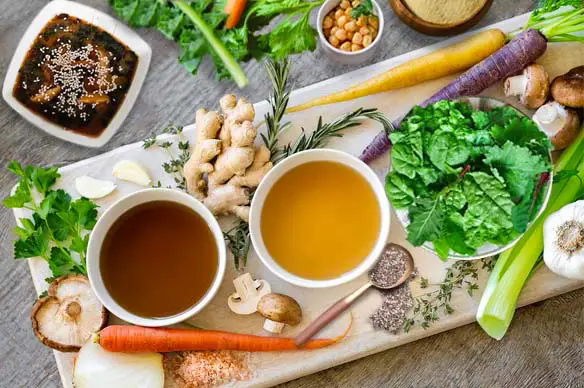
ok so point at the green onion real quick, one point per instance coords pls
(515, 266)
(230, 63)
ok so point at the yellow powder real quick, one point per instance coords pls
(444, 11)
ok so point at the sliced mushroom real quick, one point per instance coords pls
(561, 125)
(568, 89)
(248, 293)
(66, 318)
(532, 86)
(279, 311)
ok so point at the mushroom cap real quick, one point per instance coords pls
(537, 86)
(280, 308)
(66, 318)
(568, 89)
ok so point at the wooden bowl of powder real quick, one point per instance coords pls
(440, 17)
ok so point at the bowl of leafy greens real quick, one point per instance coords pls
(468, 176)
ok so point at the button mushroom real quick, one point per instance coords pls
(279, 311)
(561, 125)
(532, 86)
(248, 293)
(568, 89)
(66, 318)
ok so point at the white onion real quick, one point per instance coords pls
(98, 368)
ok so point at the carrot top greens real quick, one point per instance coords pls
(557, 20)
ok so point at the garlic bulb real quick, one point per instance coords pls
(563, 236)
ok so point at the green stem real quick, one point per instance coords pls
(218, 46)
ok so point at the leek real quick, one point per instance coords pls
(515, 266)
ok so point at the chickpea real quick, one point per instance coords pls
(367, 40)
(338, 13)
(348, 11)
(334, 41)
(357, 38)
(362, 21)
(350, 35)
(327, 22)
(355, 3)
(351, 26)
(345, 4)
(327, 32)
(342, 21)
(364, 31)
(334, 30)
(356, 47)
(373, 34)
(374, 22)
(341, 34)
(346, 46)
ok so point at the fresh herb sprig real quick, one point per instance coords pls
(428, 307)
(58, 230)
(365, 8)
(174, 166)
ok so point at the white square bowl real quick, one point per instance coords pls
(115, 28)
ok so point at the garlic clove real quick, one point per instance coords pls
(92, 188)
(131, 171)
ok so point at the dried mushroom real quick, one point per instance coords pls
(66, 318)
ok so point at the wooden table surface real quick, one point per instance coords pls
(543, 348)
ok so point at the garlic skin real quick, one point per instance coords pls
(563, 236)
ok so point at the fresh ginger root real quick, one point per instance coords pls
(224, 153)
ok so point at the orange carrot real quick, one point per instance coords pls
(234, 10)
(145, 339)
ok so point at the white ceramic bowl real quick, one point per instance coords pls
(348, 58)
(112, 214)
(292, 162)
(115, 28)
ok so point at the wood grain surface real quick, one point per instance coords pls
(543, 348)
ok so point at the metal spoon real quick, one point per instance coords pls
(343, 304)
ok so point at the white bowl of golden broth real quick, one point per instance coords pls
(156, 257)
(320, 218)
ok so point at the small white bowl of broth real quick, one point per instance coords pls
(319, 219)
(156, 257)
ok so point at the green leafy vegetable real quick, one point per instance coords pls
(58, 228)
(467, 177)
(197, 27)
(365, 8)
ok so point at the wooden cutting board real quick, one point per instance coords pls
(363, 340)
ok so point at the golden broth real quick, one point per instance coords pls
(320, 220)
(158, 259)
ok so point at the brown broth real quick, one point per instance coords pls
(320, 220)
(75, 75)
(158, 259)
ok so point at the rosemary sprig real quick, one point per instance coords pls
(278, 74)
(174, 166)
(325, 131)
(430, 306)
(238, 242)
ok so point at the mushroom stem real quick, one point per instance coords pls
(73, 310)
(515, 86)
(273, 326)
(550, 118)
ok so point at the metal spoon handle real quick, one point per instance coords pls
(330, 314)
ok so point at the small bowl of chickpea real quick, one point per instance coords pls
(349, 35)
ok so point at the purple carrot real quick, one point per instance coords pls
(511, 59)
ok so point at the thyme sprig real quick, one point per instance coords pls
(428, 307)
(174, 166)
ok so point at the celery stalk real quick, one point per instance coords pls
(514, 266)
(215, 43)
